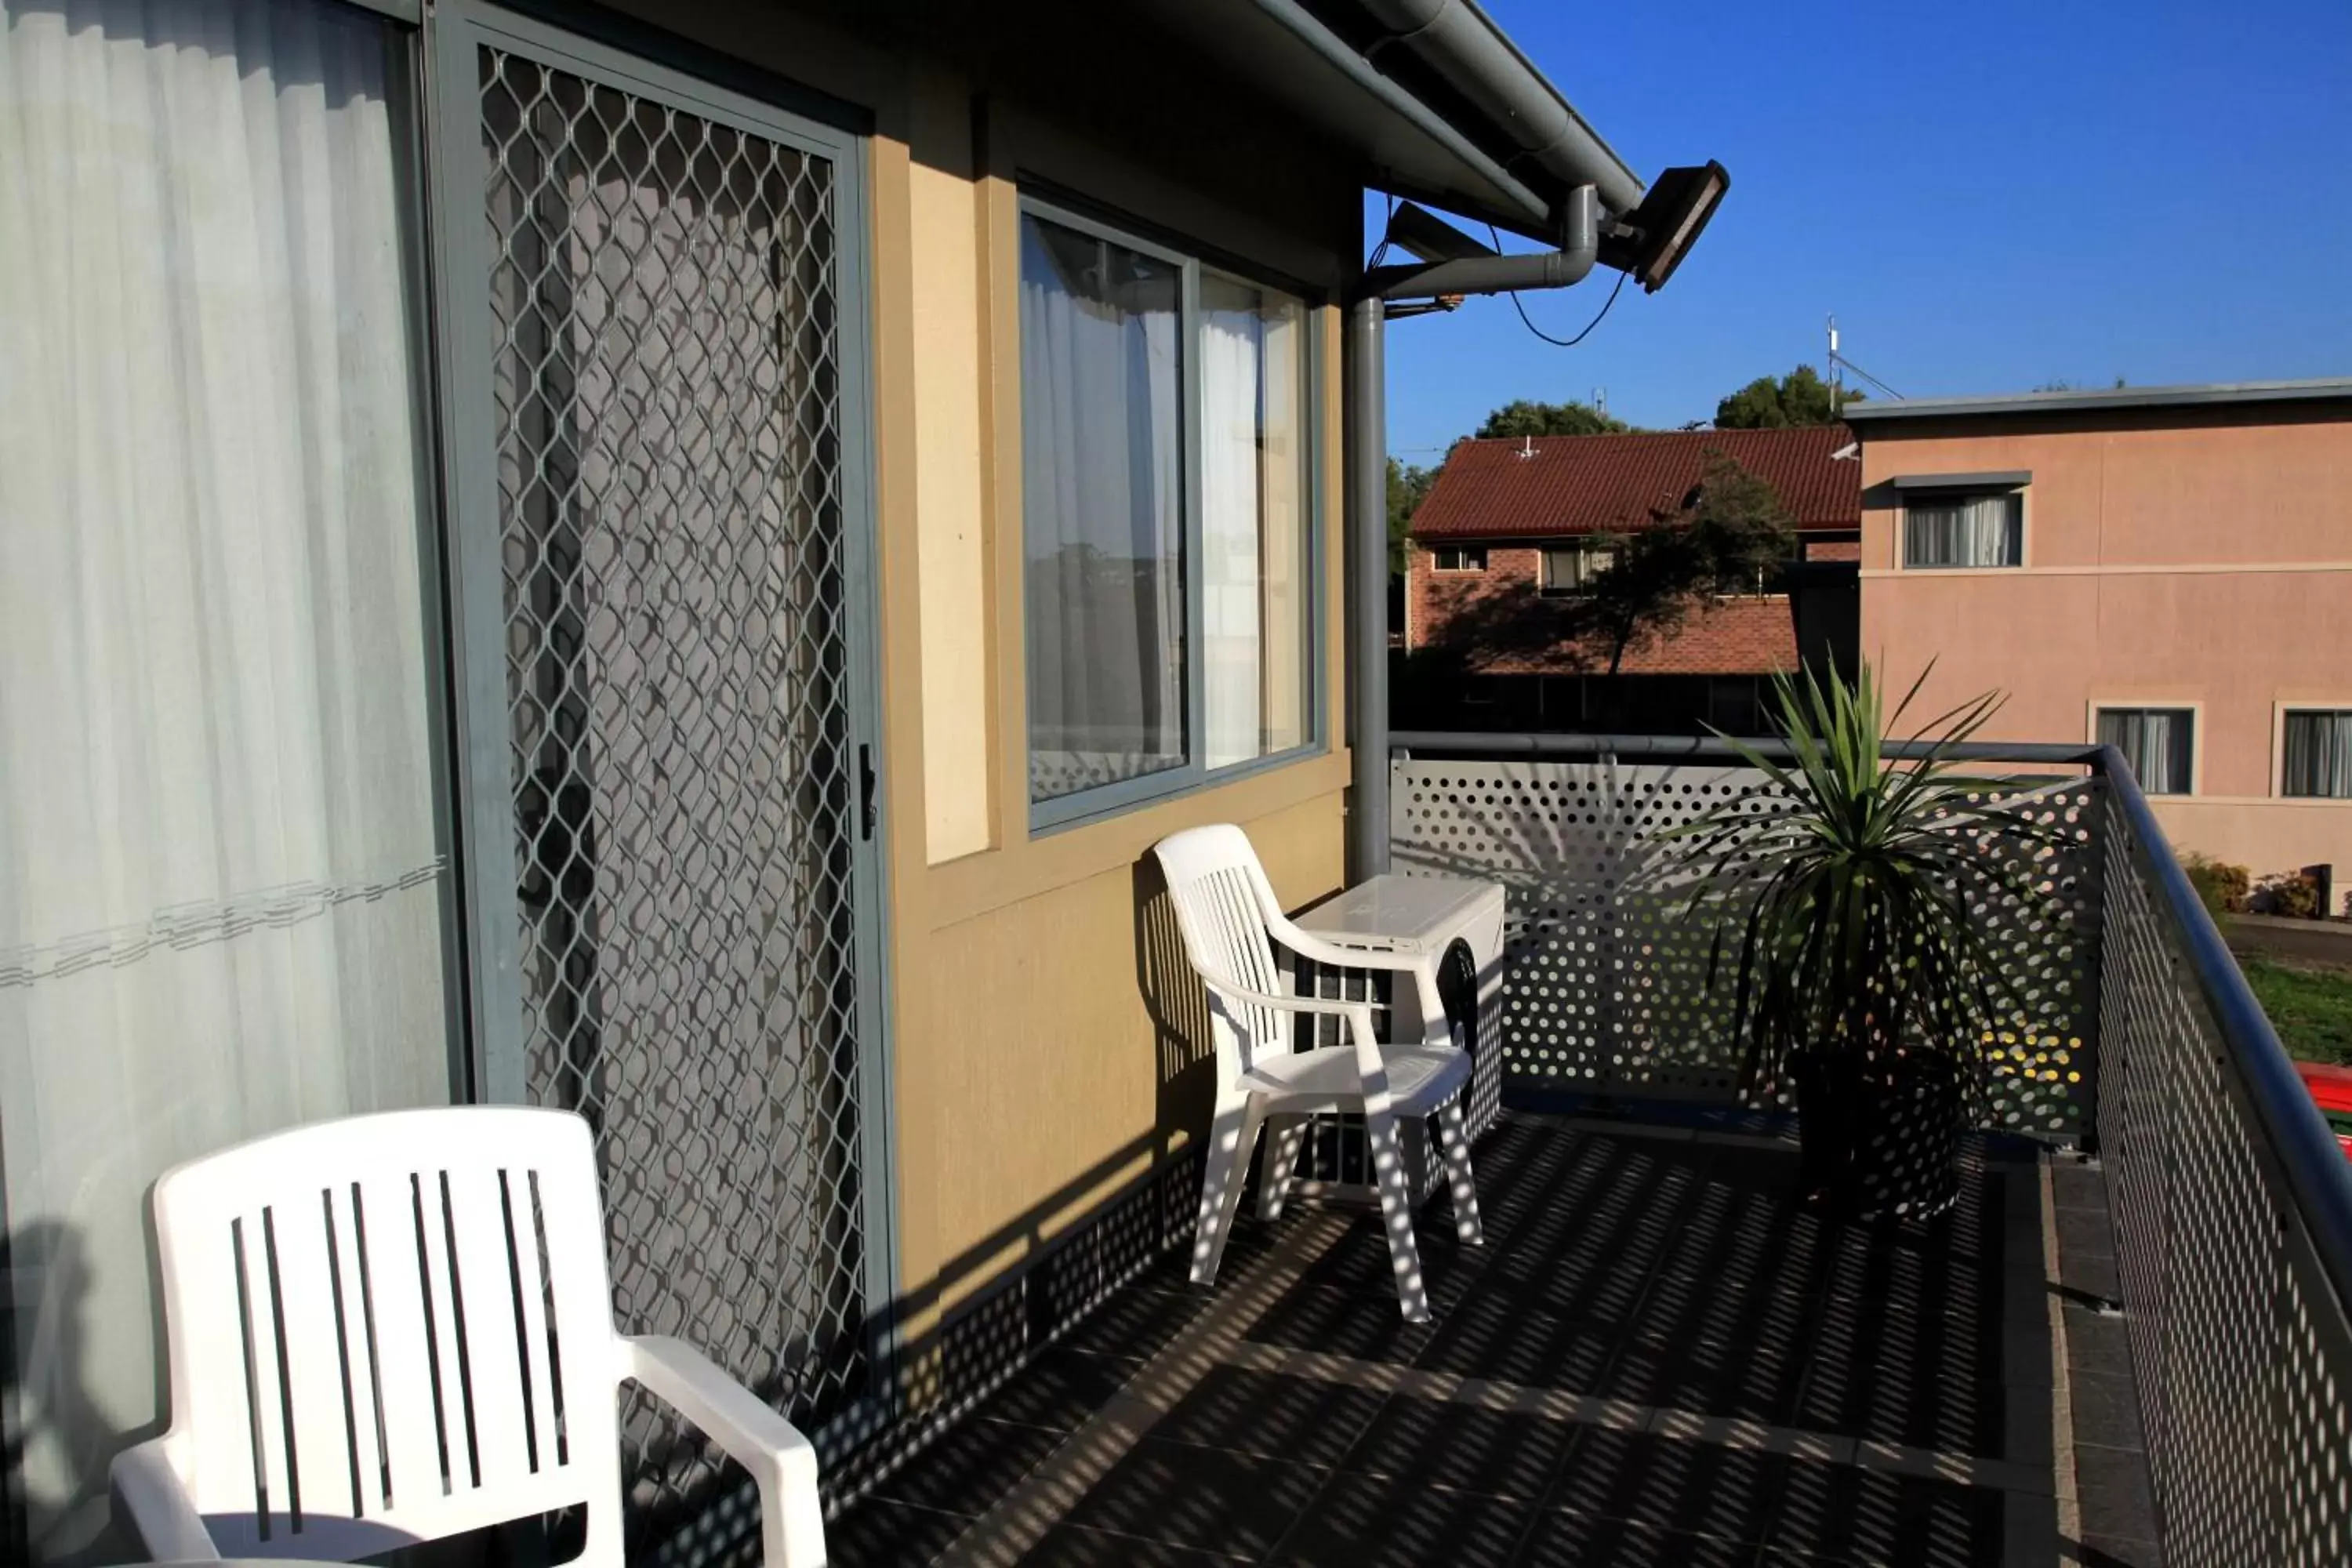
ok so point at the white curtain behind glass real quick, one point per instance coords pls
(221, 908)
(2155, 742)
(1253, 520)
(2319, 755)
(1102, 498)
(1978, 530)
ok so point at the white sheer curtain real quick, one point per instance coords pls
(2319, 755)
(2159, 743)
(221, 910)
(1253, 522)
(1102, 496)
(1969, 531)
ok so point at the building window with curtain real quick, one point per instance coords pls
(1168, 518)
(1458, 558)
(2161, 744)
(1955, 530)
(2317, 763)
(1570, 568)
(228, 889)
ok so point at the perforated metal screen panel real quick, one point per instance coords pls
(1606, 980)
(2241, 1349)
(670, 454)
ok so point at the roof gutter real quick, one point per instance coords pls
(1361, 69)
(1461, 44)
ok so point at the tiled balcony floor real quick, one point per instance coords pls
(1658, 1357)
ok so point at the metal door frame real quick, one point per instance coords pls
(461, 309)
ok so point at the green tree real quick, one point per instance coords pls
(1731, 533)
(1800, 397)
(1520, 418)
(1408, 488)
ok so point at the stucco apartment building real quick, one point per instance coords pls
(1511, 524)
(2169, 568)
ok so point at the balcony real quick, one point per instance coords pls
(2127, 1345)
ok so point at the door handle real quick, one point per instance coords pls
(868, 811)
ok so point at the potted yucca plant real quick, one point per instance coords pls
(1842, 899)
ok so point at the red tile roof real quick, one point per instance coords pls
(1588, 484)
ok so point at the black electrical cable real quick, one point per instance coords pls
(1525, 322)
(1568, 342)
(1387, 226)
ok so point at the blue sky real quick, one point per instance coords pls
(1988, 196)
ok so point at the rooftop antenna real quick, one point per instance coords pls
(1840, 364)
(1526, 447)
(1837, 376)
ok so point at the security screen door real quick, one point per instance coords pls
(670, 349)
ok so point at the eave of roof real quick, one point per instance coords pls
(2327, 390)
(1413, 134)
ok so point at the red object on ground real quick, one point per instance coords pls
(2331, 1089)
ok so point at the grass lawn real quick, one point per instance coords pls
(2311, 1008)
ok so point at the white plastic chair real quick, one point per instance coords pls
(398, 1327)
(1229, 920)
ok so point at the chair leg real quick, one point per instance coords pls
(1396, 1213)
(1283, 1137)
(1454, 1137)
(1232, 1137)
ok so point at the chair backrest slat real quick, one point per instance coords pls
(1221, 896)
(391, 1329)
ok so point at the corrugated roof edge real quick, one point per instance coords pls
(2323, 390)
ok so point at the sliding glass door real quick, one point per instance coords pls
(242, 741)
(225, 906)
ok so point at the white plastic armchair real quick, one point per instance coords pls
(1226, 911)
(398, 1327)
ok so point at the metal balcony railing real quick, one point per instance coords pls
(2229, 1199)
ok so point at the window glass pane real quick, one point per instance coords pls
(1102, 488)
(2159, 743)
(1569, 568)
(2318, 754)
(226, 885)
(1254, 520)
(1965, 531)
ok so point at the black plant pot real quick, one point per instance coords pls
(1881, 1138)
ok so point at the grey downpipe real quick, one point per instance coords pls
(1579, 244)
(1457, 41)
(1365, 440)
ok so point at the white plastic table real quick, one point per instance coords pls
(1397, 914)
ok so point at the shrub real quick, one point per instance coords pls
(2223, 888)
(2288, 893)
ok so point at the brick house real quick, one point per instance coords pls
(1513, 522)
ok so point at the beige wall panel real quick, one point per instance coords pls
(1064, 1047)
(943, 227)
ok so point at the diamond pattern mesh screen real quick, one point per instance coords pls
(1605, 982)
(2241, 1349)
(668, 470)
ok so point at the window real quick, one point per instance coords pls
(2158, 742)
(2318, 756)
(228, 887)
(1167, 517)
(1459, 558)
(1955, 530)
(1570, 568)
